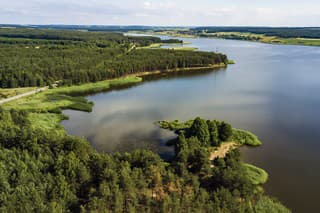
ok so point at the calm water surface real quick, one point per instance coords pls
(272, 91)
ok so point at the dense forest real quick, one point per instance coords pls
(31, 57)
(49, 171)
(282, 32)
(100, 39)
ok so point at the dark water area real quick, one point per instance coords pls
(272, 90)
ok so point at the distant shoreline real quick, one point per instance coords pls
(250, 37)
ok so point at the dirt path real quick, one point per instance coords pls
(23, 95)
(222, 150)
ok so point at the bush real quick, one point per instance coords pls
(269, 205)
(245, 138)
(256, 175)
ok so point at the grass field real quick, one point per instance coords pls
(45, 107)
(54, 100)
(7, 93)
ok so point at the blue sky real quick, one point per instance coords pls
(164, 12)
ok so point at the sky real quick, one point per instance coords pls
(162, 12)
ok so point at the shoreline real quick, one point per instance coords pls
(156, 72)
(282, 41)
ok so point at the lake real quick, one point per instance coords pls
(272, 90)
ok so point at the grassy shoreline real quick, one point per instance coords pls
(46, 107)
(146, 73)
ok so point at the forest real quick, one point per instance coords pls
(37, 57)
(50, 171)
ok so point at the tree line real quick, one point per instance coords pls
(282, 32)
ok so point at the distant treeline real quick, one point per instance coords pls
(106, 28)
(101, 39)
(39, 57)
(283, 32)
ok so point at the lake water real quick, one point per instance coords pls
(272, 90)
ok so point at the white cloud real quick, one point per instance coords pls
(165, 12)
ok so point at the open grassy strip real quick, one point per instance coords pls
(98, 86)
(7, 93)
(48, 101)
(54, 100)
(45, 107)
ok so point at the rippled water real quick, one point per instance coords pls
(272, 90)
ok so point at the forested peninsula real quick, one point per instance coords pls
(44, 169)
(31, 57)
